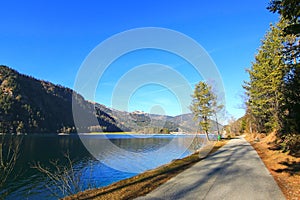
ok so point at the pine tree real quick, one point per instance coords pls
(290, 11)
(291, 90)
(204, 105)
(265, 88)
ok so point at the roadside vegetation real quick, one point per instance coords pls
(284, 168)
(272, 119)
(146, 182)
(273, 90)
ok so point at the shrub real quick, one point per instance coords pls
(291, 142)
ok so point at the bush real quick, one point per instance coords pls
(291, 143)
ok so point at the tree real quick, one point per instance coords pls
(9, 152)
(289, 10)
(216, 109)
(204, 105)
(265, 88)
(273, 102)
(64, 178)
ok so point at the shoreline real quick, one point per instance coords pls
(101, 133)
(147, 181)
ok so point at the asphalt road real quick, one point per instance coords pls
(235, 171)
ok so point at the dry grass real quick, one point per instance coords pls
(146, 182)
(284, 168)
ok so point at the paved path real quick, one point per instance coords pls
(235, 171)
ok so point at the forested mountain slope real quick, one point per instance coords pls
(28, 105)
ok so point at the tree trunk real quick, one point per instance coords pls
(217, 124)
(206, 134)
(1, 158)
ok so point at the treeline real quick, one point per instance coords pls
(273, 91)
(28, 105)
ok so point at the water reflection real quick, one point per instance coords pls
(139, 154)
(130, 154)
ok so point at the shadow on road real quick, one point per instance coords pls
(217, 167)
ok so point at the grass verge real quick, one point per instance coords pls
(146, 182)
(284, 168)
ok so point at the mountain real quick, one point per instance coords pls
(141, 122)
(186, 122)
(28, 105)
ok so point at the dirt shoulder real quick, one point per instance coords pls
(284, 168)
(146, 182)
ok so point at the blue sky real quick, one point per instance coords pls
(50, 39)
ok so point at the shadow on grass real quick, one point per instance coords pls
(230, 138)
(144, 183)
(293, 168)
(277, 147)
(151, 179)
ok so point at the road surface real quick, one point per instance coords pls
(235, 171)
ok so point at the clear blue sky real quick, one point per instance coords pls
(50, 39)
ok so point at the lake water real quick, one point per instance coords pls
(109, 158)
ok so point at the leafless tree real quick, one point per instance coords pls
(9, 153)
(64, 180)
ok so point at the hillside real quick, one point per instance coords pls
(187, 124)
(28, 105)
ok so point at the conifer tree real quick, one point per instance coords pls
(204, 105)
(265, 88)
(289, 11)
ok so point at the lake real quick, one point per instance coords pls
(98, 160)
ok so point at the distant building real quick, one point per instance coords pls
(137, 112)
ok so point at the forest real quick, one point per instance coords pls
(273, 90)
(28, 105)
(32, 106)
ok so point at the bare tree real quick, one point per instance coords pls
(9, 152)
(64, 180)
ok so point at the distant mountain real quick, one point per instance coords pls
(186, 123)
(141, 122)
(28, 105)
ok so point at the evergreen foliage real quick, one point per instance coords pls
(273, 90)
(289, 10)
(204, 105)
(266, 81)
(28, 105)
